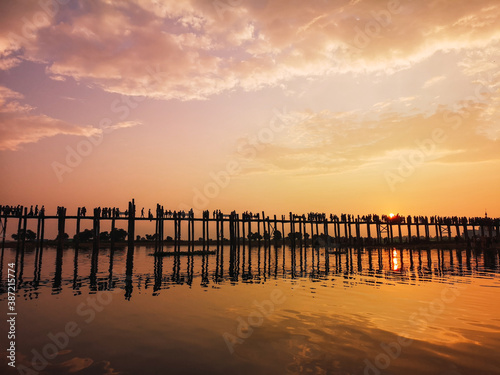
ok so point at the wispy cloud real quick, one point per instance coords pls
(433, 81)
(19, 126)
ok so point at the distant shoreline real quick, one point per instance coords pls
(450, 245)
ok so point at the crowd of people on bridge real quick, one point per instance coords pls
(18, 211)
(114, 212)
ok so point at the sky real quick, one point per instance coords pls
(350, 106)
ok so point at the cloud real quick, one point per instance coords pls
(195, 49)
(433, 81)
(18, 125)
(326, 142)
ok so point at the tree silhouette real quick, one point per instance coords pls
(30, 235)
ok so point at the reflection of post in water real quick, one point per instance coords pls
(129, 272)
(380, 262)
(76, 285)
(189, 269)
(276, 248)
(233, 243)
(351, 266)
(176, 269)
(370, 262)
(293, 262)
(412, 267)
(360, 265)
(303, 268)
(158, 270)
(56, 286)
(204, 270)
(93, 268)
(459, 260)
(221, 252)
(258, 257)
(429, 261)
(38, 266)
(249, 273)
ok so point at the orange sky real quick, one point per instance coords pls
(276, 105)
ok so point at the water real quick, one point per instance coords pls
(257, 312)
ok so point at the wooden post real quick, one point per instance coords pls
(283, 231)
(244, 219)
(77, 237)
(301, 235)
(317, 230)
(19, 231)
(409, 232)
(350, 233)
(275, 228)
(312, 233)
(113, 230)
(399, 233)
(356, 225)
(418, 230)
(5, 232)
(368, 231)
(192, 229)
(327, 237)
(61, 224)
(258, 229)
(222, 229)
(269, 234)
(42, 227)
(189, 231)
(25, 223)
(238, 234)
(217, 229)
(131, 224)
(96, 228)
(390, 230)
(203, 220)
(449, 231)
(249, 233)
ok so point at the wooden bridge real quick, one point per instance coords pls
(315, 229)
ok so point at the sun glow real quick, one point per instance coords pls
(391, 215)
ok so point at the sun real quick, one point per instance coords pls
(391, 215)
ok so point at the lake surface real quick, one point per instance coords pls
(257, 311)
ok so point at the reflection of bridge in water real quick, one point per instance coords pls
(313, 229)
(242, 264)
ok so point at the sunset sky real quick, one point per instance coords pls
(278, 105)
